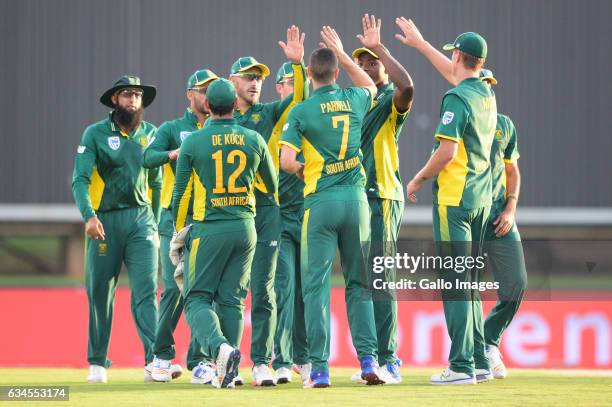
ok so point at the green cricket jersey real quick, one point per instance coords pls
(504, 150)
(108, 172)
(169, 136)
(326, 128)
(223, 159)
(379, 137)
(268, 120)
(468, 117)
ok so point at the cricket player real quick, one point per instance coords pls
(290, 344)
(110, 188)
(379, 144)
(326, 128)
(163, 152)
(222, 158)
(460, 166)
(247, 75)
(502, 240)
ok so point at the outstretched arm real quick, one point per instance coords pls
(404, 87)
(359, 78)
(412, 37)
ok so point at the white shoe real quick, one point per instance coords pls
(97, 374)
(282, 375)
(356, 378)
(495, 361)
(450, 377)
(303, 371)
(175, 372)
(262, 376)
(228, 360)
(161, 370)
(203, 373)
(483, 375)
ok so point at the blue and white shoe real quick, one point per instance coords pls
(228, 360)
(161, 370)
(203, 373)
(318, 379)
(369, 370)
(390, 372)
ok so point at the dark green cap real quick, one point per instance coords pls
(221, 93)
(129, 81)
(471, 43)
(244, 63)
(487, 75)
(285, 71)
(201, 78)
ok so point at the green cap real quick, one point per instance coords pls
(285, 71)
(221, 93)
(244, 63)
(361, 50)
(487, 75)
(201, 78)
(129, 81)
(471, 43)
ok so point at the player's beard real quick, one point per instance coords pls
(127, 119)
(200, 107)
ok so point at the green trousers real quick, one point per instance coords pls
(217, 263)
(171, 303)
(131, 238)
(263, 298)
(458, 233)
(385, 222)
(290, 344)
(505, 255)
(337, 217)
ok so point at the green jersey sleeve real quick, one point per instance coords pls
(156, 153)
(454, 118)
(84, 164)
(300, 90)
(183, 185)
(292, 131)
(362, 98)
(511, 152)
(266, 167)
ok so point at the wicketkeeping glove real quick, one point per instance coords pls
(177, 245)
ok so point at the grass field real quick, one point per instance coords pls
(524, 387)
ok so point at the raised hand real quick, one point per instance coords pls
(331, 40)
(412, 36)
(294, 47)
(371, 31)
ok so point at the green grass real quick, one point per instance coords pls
(523, 387)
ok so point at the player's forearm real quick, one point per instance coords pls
(439, 160)
(80, 192)
(397, 73)
(153, 158)
(356, 74)
(513, 186)
(300, 85)
(288, 160)
(438, 60)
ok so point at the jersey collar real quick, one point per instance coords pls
(212, 122)
(325, 89)
(383, 90)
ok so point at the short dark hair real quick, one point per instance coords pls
(471, 62)
(220, 110)
(323, 65)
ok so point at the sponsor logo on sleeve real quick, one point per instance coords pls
(81, 149)
(447, 117)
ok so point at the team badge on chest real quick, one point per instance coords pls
(114, 142)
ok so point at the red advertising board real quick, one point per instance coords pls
(48, 327)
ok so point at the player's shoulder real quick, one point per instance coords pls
(147, 127)
(505, 119)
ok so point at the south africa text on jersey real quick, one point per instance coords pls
(230, 201)
(340, 166)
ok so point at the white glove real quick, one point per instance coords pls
(178, 275)
(177, 245)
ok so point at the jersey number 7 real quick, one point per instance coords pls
(344, 119)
